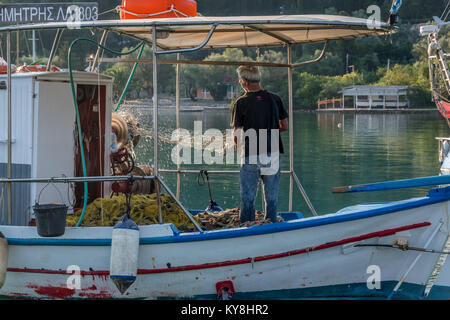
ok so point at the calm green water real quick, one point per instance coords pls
(367, 148)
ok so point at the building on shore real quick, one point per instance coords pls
(369, 97)
(233, 91)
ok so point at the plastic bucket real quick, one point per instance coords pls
(50, 219)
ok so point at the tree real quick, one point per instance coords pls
(215, 78)
(332, 85)
(274, 79)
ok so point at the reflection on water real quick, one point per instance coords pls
(363, 148)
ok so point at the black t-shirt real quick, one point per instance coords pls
(258, 110)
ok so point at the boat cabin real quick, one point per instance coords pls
(44, 137)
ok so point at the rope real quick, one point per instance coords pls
(440, 96)
(202, 174)
(445, 18)
(148, 15)
(128, 196)
(445, 10)
(1, 201)
(403, 248)
(101, 163)
(108, 11)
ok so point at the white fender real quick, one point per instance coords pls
(3, 259)
(124, 257)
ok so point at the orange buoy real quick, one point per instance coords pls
(36, 68)
(151, 9)
(4, 69)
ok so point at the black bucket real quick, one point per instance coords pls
(50, 219)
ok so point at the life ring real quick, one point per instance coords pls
(3, 258)
(36, 68)
(138, 9)
(4, 69)
(120, 127)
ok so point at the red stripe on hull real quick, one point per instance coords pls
(444, 108)
(378, 234)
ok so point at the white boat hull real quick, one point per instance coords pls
(307, 258)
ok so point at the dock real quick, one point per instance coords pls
(377, 111)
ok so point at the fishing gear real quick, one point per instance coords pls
(403, 248)
(213, 207)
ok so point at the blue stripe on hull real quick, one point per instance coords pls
(439, 293)
(355, 291)
(434, 196)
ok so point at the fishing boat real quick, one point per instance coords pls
(377, 250)
(439, 72)
(439, 77)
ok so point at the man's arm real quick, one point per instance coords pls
(284, 125)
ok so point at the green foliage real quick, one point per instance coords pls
(414, 76)
(308, 87)
(216, 78)
(274, 79)
(142, 82)
(332, 85)
(405, 51)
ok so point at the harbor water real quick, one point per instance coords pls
(330, 150)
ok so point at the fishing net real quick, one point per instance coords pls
(144, 211)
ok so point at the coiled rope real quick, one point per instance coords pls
(148, 15)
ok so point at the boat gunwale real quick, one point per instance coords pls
(310, 222)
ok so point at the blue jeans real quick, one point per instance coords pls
(249, 175)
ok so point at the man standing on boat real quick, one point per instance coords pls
(258, 117)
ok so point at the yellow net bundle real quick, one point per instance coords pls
(144, 211)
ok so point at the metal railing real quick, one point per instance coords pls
(129, 178)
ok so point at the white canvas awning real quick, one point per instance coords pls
(240, 31)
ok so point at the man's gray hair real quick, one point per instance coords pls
(250, 73)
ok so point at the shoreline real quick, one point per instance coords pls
(200, 106)
(372, 111)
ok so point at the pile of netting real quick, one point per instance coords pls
(229, 219)
(144, 211)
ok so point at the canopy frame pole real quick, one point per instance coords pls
(188, 214)
(8, 57)
(177, 107)
(155, 112)
(305, 196)
(54, 48)
(99, 50)
(17, 47)
(320, 57)
(200, 62)
(293, 177)
(291, 128)
(200, 46)
(155, 121)
(223, 63)
(271, 34)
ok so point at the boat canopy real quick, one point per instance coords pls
(228, 32)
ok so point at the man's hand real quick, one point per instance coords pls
(284, 125)
(235, 137)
